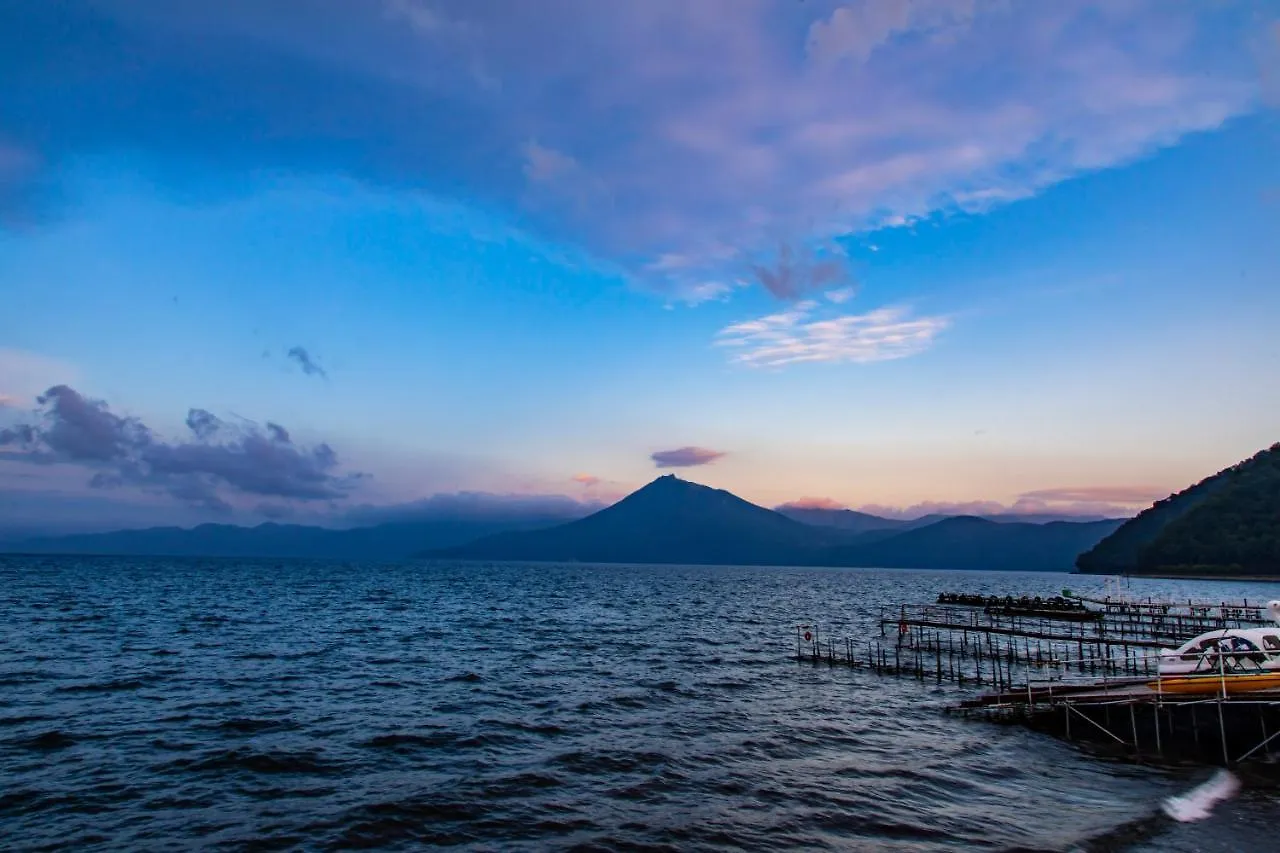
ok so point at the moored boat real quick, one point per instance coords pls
(1209, 684)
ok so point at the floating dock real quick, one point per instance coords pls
(1088, 678)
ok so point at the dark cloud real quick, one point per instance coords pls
(123, 451)
(306, 362)
(84, 430)
(203, 424)
(685, 457)
(797, 272)
(23, 436)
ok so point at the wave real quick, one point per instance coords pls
(249, 725)
(49, 740)
(104, 686)
(1198, 803)
(258, 762)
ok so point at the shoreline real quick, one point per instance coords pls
(1171, 576)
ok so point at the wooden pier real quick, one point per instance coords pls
(1090, 679)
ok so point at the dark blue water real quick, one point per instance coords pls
(159, 705)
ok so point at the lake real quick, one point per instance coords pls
(277, 705)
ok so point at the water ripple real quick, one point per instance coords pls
(154, 705)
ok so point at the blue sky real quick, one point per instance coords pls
(932, 254)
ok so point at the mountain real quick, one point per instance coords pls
(668, 521)
(968, 542)
(393, 540)
(1227, 523)
(674, 521)
(841, 519)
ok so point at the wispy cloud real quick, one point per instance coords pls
(587, 480)
(1108, 494)
(807, 333)
(685, 457)
(305, 361)
(1095, 501)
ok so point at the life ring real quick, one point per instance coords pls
(903, 628)
(807, 636)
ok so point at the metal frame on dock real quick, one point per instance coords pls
(1048, 672)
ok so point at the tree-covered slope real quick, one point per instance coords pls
(1229, 521)
(1236, 528)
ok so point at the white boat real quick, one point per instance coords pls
(1228, 650)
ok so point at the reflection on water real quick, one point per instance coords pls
(288, 705)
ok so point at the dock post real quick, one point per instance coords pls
(1222, 729)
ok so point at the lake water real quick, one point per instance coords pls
(161, 704)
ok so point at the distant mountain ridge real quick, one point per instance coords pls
(860, 522)
(1226, 523)
(668, 521)
(389, 541)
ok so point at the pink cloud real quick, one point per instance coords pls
(1144, 495)
(587, 480)
(935, 508)
(1110, 501)
(809, 332)
(813, 503)
(685, 457)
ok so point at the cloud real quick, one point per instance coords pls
(306, 362)
(587, 480)
(707, 130)
(796, 272)
(419, 16)
(685, 457)
(275, 512)
(924, 508)
(840, 295)
(854, 31)
(1091, 501)
(1269, 63)
(813, 503)
(223, 459)
(1108, 494)
(546, 165)
(204, 424)
(806, 333)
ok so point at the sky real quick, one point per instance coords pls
(268, 260)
